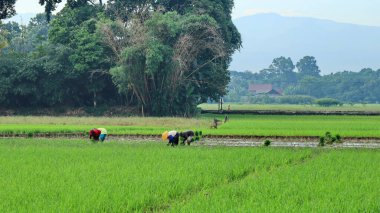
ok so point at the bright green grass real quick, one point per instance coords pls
(115, 125)
(257, 125)
(334, 181)
(289, 107)
(279, 125)
(77, 176)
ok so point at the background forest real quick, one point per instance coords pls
(302, 84)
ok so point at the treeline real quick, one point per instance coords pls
(164, 57)
(40, 68)
(306, 85)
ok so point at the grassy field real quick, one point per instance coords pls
(289, 107)
(245, 125)
(115, 125)
(278, 125)
(76, 176)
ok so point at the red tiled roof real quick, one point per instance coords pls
(260, 88)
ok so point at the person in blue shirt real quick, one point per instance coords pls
(173, 137)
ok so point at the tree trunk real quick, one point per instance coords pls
(94, 99)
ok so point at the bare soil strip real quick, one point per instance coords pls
(223, 140)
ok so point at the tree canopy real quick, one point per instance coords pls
(307, 66)
(163, 56)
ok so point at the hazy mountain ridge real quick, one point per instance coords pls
(337, 46)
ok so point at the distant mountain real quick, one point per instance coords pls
(22, 18)
(336, 46)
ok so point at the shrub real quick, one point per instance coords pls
(296, 99)
(327, 102)
(287, 99)
(262, 99)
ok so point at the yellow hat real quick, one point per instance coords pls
(165, 135)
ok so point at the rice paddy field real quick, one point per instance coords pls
(44, 175)
(291, 107)
(238, 125)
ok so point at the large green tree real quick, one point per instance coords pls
(160, 64)
(280, 72)
(76, 28)
(307, 66)
(176, 55)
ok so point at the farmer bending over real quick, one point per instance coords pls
(94, 134)
(172, 136)
(187, 137)
(103, 134)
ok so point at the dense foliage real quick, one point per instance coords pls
(165, 57)
(39, 72)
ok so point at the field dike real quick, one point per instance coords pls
(223, 140)
(250, 173)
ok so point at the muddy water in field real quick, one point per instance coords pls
(244, 143)
(256, 143)
(231, 141)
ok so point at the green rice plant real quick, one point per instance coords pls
(267, 142)
(293, 107)
(239, 125)
(321, 141)
(329, 139)
(198, 136)
(327, 181)
(338, 138)
(42, 175)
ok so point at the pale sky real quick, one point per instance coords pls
(30, 6)
(364, 12)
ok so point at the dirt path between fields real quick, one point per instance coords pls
(230, 141)
(248, 141)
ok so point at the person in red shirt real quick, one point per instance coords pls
(94, 134)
